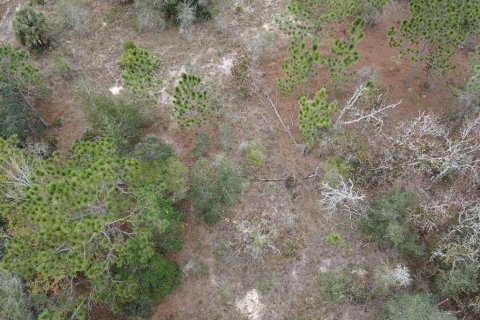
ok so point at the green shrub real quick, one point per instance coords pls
(335, 169)
(52, 141)
(166, 175)
(61, 66)
(461, 280)
(16, 117)
(119, 119)
(254, 155)
(385, 222)
(202, 144)
(215, 184)
(158, 278)
(414, 307)
(89, 135)
(30, 27)
(57, 122)
(152, 148)
(350, 145)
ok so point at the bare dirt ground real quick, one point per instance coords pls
(220, 280)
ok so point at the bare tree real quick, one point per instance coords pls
(352, 113)
(16, 172)
(342, 196)
(426, 145)
(462, 243)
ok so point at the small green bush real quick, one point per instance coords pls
(254, 155)
(414, 307)
(57, 122)
(30, 27)
(61, 66)
(119, 119)
(333, 239)
(152, 148)
(385, 222)
(215, 184)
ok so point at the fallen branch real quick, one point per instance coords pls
(273, 107)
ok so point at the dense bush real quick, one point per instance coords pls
(30, 27)
(76, 17)
(109, 116)
(17, 117)
(370, 10)
(215, 184)
(385, 222)
(13, 302)
(459, 281)
(156, 14)
(151, 148)
(94, 218)
(17, 77)
(414, 307)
